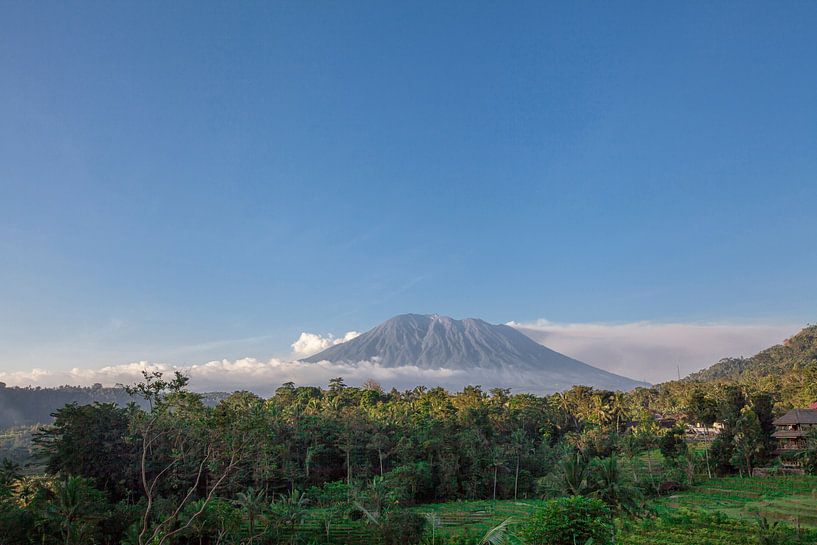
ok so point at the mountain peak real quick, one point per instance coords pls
(435, 341)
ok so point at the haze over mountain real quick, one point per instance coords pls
(441, 342)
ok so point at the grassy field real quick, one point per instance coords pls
(474, 518)
(717, 512)
(686, 527)
(671, 526)
(789, 499)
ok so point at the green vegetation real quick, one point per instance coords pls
(566, 521)
(350, 466)
(685, 527)
(17, 445)
(790, 499)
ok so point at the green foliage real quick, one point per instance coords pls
(672, 444)
(92, 441)
(768, 533)
(614, 488)
(695, 527)
(69, 508)
(808, 456)
(748, 440)
(184, 472)
(568, 521)
(401, 527)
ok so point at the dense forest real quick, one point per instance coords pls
(24, 406)
(177, 469)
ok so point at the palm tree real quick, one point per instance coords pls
(291, 509)
(768, 533)
(253, 503)
(600, 410)
(573, 471)
(497, 460)
(72, 509)
(613, 488)
(564, 403)
(9, 472)
(498, 535)
(521, 444)
(434, 522)
(630, 446)
(377, 494)
(619, 408)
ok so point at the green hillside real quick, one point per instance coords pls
(796, 353)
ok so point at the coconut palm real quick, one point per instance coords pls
(612, 487)
(73, 509)
(9, 472)
(253, 503)
(498, 535)
(572, 472)
(435, 523)
(290, 510)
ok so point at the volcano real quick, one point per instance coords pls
(471, 346)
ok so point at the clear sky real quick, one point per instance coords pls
(185, 181)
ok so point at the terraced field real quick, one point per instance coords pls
(671, 527)
(789, 499)
(684, 527)
(718, 512)
(474, 518)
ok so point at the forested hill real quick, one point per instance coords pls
(796, 353)
(26, 406)
(788, 371)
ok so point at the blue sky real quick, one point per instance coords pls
(184, 181)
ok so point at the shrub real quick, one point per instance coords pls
(401, 527)
(568, 521)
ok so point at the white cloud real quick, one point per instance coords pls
(654, 351)
(312, 343)
(262, 377)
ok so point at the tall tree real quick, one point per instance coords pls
(748, 441)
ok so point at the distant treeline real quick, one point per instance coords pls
(35, 405)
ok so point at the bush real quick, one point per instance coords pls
(410, 482)
(401, 527)
(569, 521)
(672, 445)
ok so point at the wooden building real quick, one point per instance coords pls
(793, 427)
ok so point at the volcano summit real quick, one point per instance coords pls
(470, 345)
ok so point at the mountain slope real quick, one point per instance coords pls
(794, 354)
(440, 342)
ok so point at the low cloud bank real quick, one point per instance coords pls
(262, 377)
(643, 351)
(654, 352)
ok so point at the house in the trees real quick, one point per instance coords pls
(793, 427)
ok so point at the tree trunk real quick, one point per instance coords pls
(496, 469)
(516, 478)
(649, 469)
(706, 455)
(380, 456)
(348, 465)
